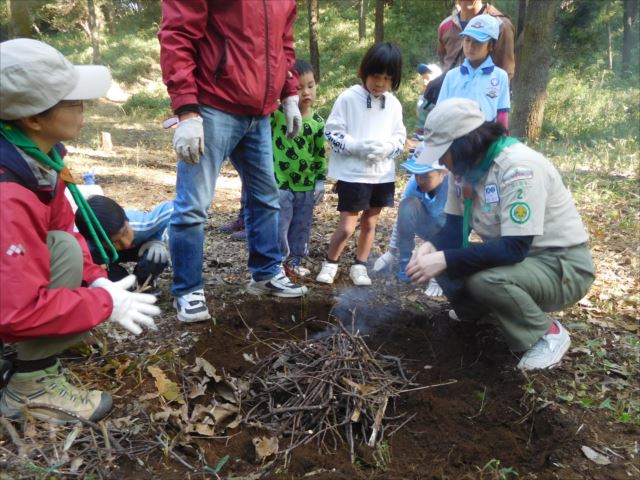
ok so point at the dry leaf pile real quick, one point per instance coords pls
(333, 389)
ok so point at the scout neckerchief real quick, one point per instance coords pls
(474, 175)
(17, 137)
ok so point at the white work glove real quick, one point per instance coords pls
(433, 289)
(384, 262)
(156, 251)
(130, 309)
(318, 192)
(292, 115)
(379, 151)
(188, 140)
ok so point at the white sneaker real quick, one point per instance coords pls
(192, 307)
(359, 275)
(299, 270)
(327, 272)
(547, 352)
(278, 286)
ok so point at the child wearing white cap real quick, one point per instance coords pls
(478, 78)
(57, 293)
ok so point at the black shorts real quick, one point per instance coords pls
(356, 197)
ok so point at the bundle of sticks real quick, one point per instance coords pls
(332, 389)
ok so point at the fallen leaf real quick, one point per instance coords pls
(221, 411)
(265, 446)
(594, 456)
(166, 387)
(198, 390)
(209, 369)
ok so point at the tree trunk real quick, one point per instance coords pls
(522, 14)
(21, 21)
(629, 16)
(362, 26)
(314, 51)
(532, 70)
(379, 28)
(94, 32)
(609, 38)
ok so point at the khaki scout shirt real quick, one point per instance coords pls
(521, 195)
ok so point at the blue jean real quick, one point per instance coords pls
(296, 216)
(412, 220)
(247, 142)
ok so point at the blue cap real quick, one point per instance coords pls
(412, 167)
(482, 28)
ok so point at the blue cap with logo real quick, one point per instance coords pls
(482, 28)
(417, 169)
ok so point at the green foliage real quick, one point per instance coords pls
(148, 104)
(493, 471)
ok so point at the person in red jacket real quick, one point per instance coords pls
(51, 292)
(227, 65)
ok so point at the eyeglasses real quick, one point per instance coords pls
(71, 104)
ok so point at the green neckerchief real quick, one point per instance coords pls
(16, 136)
(474, 175)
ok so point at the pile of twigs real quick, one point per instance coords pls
(332, 389)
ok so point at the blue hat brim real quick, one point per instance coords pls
(476, 35)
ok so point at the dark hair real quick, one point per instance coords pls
(303, 67)
(108, 212)
(382, 57)
(468, 150)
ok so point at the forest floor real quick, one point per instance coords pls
(482, 418)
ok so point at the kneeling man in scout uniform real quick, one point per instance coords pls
(534, 256)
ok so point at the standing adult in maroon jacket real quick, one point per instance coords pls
(449, 46)
(226, 65)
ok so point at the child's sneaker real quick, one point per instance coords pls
(327, 272)
(240, 235)
(192, 307)
(278, 286)
(359, 275)
(548, 351)
(233, 226)
(50, 387)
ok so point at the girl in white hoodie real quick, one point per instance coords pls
(366, 134)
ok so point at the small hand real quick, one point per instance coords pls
(433, 289)
(156, 251)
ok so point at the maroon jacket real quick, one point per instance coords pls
(450, 42)
(236, 56)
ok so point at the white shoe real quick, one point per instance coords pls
(327, 272)
(434, 290)
(299, 270)
(547, 352)
(192, 307)
(278, 286)
(384, 262)
(359, 275)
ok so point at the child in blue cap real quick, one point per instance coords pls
(478, 78)
(421, 213)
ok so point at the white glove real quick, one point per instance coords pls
(156, 251)
(318, 192)
(130, 309)
(380, 151)
(292, 115)
(433, 289)
(188, 141)
(362, 148)
(384, 262)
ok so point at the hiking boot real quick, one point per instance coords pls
(327, 272)
(359, 275)
(548, 351)
(278, 286)
(50, 387)
(240, 235)
(192, 307)
(233, 225)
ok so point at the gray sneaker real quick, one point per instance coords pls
(278, 286)
(547, 352)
